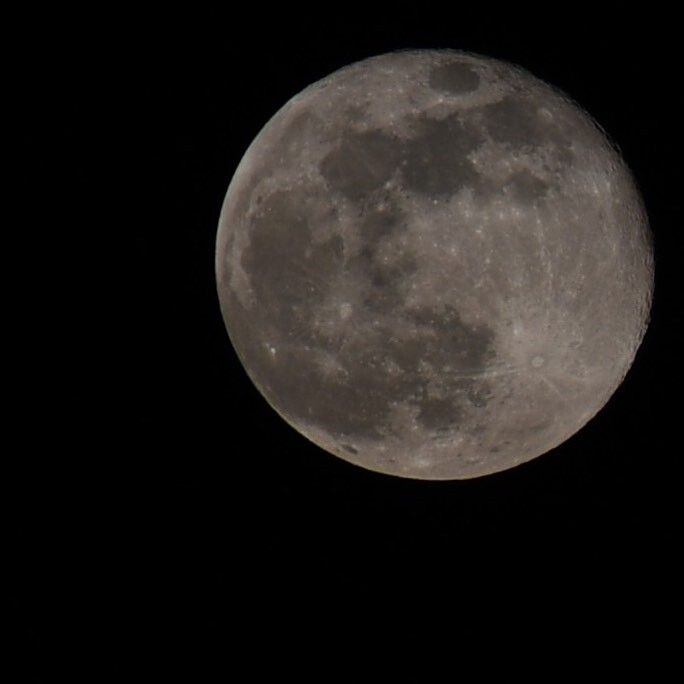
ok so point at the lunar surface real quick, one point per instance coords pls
(434, 265)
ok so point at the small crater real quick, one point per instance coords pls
(478, 397)
(455, 78)
(349, 448)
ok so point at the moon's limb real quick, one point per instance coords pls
(434, 265)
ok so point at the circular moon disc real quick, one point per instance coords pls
(434, 265)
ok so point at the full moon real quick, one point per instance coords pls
(434, 265)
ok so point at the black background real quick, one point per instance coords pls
(174, 519)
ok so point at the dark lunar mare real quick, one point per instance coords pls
(357, 401)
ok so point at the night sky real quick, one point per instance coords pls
(171, 507)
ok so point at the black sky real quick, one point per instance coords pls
(175, 506)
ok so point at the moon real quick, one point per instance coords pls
(434, 265)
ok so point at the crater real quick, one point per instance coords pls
(455, 78)
(478, 395)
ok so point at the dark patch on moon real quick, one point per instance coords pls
(355, 399)
(454, 77)
(518, 122)
(379, 221)
(435, 159)
(456, 345)
(361, 163)
(389, 277)
(439, 414)
(289, 271)
(354, 404)
(479, 394)
(456, 352)
(527, 188)
(515, 122)
(381, 265)
(292, 278)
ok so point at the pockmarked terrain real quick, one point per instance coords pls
(434, 265)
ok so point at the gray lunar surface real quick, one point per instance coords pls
(434, 265)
